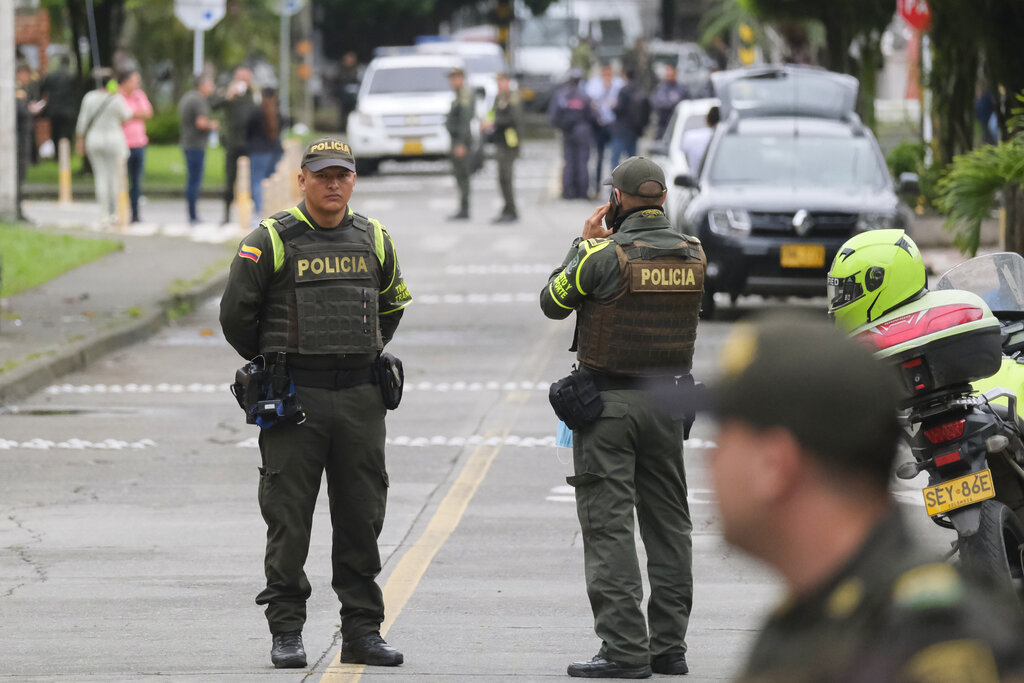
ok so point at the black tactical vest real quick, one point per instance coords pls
(649, 326)
(327, 303)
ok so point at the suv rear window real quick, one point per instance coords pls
(410, 80)
(810, 161)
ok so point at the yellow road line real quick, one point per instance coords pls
(409, 571)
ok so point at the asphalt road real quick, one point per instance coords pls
(129, 489)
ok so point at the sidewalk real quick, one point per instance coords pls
(165, 268)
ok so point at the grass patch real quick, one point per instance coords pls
(32, 256)
(165, 169)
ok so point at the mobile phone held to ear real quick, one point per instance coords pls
(613, 212)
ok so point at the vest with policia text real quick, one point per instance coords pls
(648, 327)
(328, 304)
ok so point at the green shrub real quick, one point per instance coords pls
(906, 157)
(163, 128)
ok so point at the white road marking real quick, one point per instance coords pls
(76, 444)
(198, 388)
(500, 269)
(566, 494)
(477, 440)
(162, 388)
(496, 298)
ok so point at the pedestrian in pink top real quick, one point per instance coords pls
(129, 85)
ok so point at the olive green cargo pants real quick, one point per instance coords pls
(343, 435)
(632, 457)
(506, 162)
(462, 168)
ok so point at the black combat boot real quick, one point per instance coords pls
(670, 663)
(287, 652)
(370, 649)
(599, 667)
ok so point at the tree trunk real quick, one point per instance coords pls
(870, 62)
(1013, 202)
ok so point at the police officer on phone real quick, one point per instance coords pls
(636, 288)
(318, 288)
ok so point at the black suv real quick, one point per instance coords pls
(790, 174)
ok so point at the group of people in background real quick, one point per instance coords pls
(108, 127)
(252, 128)
(608, 113)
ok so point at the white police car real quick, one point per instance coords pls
(401, 109)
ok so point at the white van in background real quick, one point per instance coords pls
(542, 46)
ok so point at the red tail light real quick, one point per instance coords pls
(919, 324)
(948, 458)
(946, 432)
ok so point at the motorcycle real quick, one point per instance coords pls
(958, 354)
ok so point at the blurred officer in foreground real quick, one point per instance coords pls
(459, 125)
(318, 288)
(636, 289)
(807, 437)
(504, 123)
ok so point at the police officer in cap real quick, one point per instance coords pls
(318, 287)
(459, 125)
(636, 288)
(807, 438)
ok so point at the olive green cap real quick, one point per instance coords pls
(634, 172)
(326, 152)
(798, 372)
(456, 71)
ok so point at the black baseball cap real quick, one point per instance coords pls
(798, 372)
(634, 172)
(326, 152)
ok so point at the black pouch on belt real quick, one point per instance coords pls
(390, 377)
(250, 386)
(576, 399)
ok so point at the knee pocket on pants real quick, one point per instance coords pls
(586, 467)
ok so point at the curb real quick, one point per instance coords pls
(63, 359)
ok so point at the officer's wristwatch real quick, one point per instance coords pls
(576, 242)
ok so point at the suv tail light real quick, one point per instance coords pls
(919, 324)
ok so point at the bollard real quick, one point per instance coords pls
(290, 160)
(64, 171)
(124, 208)
(243, 194)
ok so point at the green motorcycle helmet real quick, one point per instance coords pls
(873, 273)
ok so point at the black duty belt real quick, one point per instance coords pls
(332, 379)
(606, 382)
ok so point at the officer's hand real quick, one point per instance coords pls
(459, 151)
(593, 226)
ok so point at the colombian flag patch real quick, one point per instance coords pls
(251, 253)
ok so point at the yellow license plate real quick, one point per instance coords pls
(958, 492)
(802, 256)
(412, 147)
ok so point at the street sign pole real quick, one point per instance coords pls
(286, 61)
(8, 118)
(200, 16)
(198, 47)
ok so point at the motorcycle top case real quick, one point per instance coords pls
(945, 338)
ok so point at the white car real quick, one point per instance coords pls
(668, 152)
(401, 109)
(484, 61)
